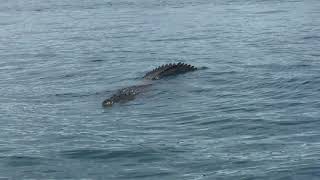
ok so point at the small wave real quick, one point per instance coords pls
(97, 60)
(294, 122)
(311, 37)
(41, 9)
(190, 119)
(17, 161)
(71, 95)
(107, 154)
(139, 175)
(271, 12)
(181, 39)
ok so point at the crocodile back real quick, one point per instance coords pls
(169, 70)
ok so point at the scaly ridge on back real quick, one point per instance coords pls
(169, 70)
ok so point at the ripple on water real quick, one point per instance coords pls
(18, 161)
(139, 154)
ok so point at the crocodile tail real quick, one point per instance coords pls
(169, 70)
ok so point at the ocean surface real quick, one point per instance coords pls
(254, 113)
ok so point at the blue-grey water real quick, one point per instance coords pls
(253, 114)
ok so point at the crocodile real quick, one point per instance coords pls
(129, 93)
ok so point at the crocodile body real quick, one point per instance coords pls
(129, 93)
(169, 70)
(126, 94)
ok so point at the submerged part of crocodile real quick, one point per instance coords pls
(129, 93)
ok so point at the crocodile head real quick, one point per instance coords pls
(118, 98)
(125, 94)
(107, 103)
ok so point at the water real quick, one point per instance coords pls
(253, 114)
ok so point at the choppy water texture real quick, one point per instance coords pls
(253, 114)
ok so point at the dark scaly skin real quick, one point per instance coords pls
(169, 70)
(129, 93)
(125, 94)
